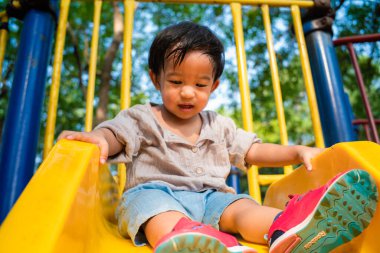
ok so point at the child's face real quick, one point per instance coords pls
(186, 88)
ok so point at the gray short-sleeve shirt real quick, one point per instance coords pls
(155, 154)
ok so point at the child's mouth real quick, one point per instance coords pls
(185, 107)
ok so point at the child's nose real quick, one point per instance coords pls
(187, 92)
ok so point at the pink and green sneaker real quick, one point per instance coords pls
(195, 237)
(327, 217)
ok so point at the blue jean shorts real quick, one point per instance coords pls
(145, 201)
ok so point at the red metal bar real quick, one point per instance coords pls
(367, 132)
(363, 92)
(357, 39)
(364, 123)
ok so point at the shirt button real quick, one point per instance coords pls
(199, 170)
(194, 149)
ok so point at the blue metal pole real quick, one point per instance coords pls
(233, 180)
(22, 123)
(333, 104)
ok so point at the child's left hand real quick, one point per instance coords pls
(307, 153)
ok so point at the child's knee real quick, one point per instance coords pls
(161, 224)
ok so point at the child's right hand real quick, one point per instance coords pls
(95, 137)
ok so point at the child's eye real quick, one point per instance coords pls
(201, 85)
(175, 82)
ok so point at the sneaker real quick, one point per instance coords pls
(327, 217)
(190, 236)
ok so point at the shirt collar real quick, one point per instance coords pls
(207, 133)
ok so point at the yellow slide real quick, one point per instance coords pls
(69, 203)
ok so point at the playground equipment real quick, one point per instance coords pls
(69, 203)
(369, 123)
(81, 218)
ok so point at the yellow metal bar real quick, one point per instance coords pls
(126, 77)
(307, 76)
(3, 40)
(275, 81)
(275, 75)
(129, 9)
(277, 3)
(92, 67)
(56, 76)
(242, 68)
(269, 179)
(3, 14)
(252, 173)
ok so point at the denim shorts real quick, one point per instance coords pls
(144, 201)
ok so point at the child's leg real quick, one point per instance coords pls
(158, 226)
(327, 217)
(249, 219)
(149, 207)
(317, 221)
(191, 235)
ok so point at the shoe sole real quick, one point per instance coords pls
(342, 213)
(197, 243)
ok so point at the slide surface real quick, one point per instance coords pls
(68, 205)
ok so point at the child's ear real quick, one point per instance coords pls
(215, 85)
(154, 79)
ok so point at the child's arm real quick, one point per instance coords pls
(266, 154)
(103, 137)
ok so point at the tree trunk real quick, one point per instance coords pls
(77, 57)
(105, 76)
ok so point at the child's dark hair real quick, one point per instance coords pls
(182, 38)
